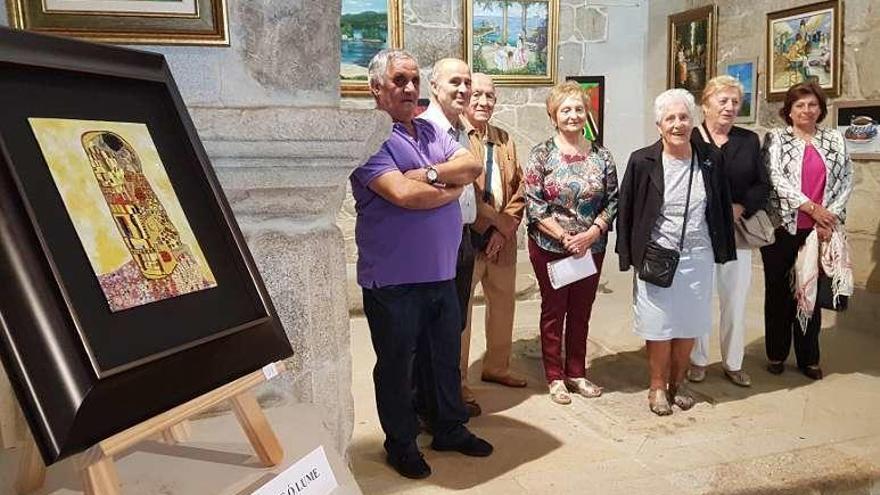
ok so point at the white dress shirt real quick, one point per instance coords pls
(468, 199)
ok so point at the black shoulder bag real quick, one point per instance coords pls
(659, 263)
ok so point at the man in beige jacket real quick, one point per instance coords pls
(500, 204)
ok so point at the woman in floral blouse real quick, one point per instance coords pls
(571, 201)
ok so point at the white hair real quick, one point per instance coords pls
(378, 67)
(670, 96)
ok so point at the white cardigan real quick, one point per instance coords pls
(784, 156)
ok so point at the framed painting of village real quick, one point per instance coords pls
(804, 43)
(514, 42)
(366, 27)
(161, 22)
(117, 246)
(692, 48)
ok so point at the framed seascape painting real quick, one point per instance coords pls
(804, 43)
(692, 49)
(366, 27)
(595, 88)
(513, 41)
(163, 22)
(746, 72)
(859, 122)
(117, 246)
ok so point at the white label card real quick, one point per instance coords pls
(270, 371)
(311, 475)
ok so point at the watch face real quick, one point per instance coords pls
(431, 175)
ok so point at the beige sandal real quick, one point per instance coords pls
(583, 387)
(558, 392)
(658, 402)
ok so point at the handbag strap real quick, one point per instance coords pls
(709, 134)
(687, 201)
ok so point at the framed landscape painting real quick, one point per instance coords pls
(804, 43)
(692, 49)
(595, 88)
(162, 22)
(859, 122)
(117, 246)
(746, 72)
(513, 41)
(366, 27)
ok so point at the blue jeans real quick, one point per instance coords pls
(408, 323)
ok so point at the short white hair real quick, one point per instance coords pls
(378, 68)
(670, 96)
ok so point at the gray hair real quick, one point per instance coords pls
(670, 96)
(378, 67)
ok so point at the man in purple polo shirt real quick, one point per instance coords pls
(407, 232)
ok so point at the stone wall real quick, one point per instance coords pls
(741, 34)
(267, 111)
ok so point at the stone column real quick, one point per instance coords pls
(284, 172)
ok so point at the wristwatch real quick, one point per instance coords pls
(431, 175)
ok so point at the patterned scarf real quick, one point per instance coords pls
(833, 257)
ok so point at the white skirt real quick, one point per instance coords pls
(682, 311)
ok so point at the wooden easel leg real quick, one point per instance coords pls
(100, 478)
(257, 428)
(177, 433)
(31, 470)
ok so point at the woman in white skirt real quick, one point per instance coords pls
(674, 196)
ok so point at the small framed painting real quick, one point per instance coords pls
(859, 122)
(691, 49)
(746, 72)
(366, 28)
(513, 41)
(804, 43)
(595, 88)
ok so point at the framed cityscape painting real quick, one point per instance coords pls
(513, 41)
(118, 246)
(804, 43)
(595, 88)
(859, 122)
(161, 22)
(746, 72)
(366, 27)
(692, 49)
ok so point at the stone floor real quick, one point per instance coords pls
(784, 435)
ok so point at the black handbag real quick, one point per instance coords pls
(659, 263)
(825, 296)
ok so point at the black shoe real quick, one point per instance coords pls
(776, 368)
(473, 409)
(472, 445)
(410, 465)
(813, 372)
(424, 424)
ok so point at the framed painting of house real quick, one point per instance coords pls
(804, 43)
(513, 41)
(366, 27)
(117, 246)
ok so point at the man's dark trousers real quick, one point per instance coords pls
(416, 322)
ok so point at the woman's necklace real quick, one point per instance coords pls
(804, 136)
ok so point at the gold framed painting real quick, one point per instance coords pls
(513, 41)
(692, 48)
(804, 43)
(366, 27)
(162, 22)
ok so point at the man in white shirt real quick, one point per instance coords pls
(450, 95)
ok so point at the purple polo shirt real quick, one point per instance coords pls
(397, 245)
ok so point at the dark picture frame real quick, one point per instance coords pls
(857, 121)
(82, 372)
(145, 22)
(799, 46)
(692, 47)
(595, 88)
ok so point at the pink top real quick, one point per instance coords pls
(812, 183)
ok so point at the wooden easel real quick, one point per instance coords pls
(98, 471)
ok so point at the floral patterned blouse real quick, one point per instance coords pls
(575, 190)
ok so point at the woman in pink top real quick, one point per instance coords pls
(812, 178)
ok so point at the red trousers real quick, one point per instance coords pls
(570, 305)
